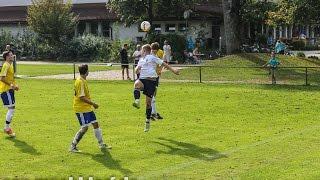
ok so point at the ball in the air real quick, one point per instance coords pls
(145, 26)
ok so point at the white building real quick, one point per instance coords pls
(95, 19)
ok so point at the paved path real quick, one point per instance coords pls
(98, 75)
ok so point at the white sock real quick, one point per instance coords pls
(98, 134)
(153, 105)
(137, 101)
(9, 117)
(79, 135)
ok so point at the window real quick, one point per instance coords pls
(182, 27)
(157, 28)
(94, 28)
(170, 27)
(81, 28)
(106, 29)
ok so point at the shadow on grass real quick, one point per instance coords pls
(187, 149)
(23, 146)
(106, 159)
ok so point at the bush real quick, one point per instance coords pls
(313, 57)
(87, 48)
(176, 41)
(298, 45)
(301, 55)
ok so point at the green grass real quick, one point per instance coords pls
(43, 70)
(251, 75)
(209, 132)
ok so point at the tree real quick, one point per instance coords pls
(231, 11)
(283, 14)
(52, 20)
(135, 11)
(307, 12)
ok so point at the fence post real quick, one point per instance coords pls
(200, 74)
(74, 71)
(133, 74)
(307, 77)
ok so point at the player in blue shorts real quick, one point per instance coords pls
(7, 88)
(83, 107)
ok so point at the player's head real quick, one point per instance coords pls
(155, 46)
(125, 45)
(83, 69)
(273, 54)
(7, 56)
(138, 47)
(165, 42)
(146, 49)
(8, 47)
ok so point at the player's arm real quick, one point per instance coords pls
(160, 62)
(175, 71)
(88, 101)
(138, 69)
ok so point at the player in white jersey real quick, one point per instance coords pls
(147, 67)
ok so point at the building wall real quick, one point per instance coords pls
(132, 33)
(121, 32)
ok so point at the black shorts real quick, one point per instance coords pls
(125, 66)
(149, 87)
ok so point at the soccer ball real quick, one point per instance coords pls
(145, 26)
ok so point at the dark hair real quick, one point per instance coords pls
(5, 54)
(155, 46)
(83, 69)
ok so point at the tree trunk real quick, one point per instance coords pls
(231, 24)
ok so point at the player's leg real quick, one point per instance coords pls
(150, 87)
(138, 86)
(98, 134)
(82, 131)
(9, 102)
(127, 70)
(148, 113)
(122, 66)
(154, 113)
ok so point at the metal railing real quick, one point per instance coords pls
(202, 67)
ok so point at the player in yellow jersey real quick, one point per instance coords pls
(83, 107)
(7, 88)
(155, 47)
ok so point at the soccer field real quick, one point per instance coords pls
(209, 131)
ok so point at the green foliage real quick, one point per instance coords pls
(87, 48)
(135, 11)
(283, 13)
(5, 38)
(255, 11)
(52, 20)
(176, 41)
(301, 55)
(298, 45)
(307, 11)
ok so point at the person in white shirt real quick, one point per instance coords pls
(147, 67)
(136, 55)
(167, 52)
